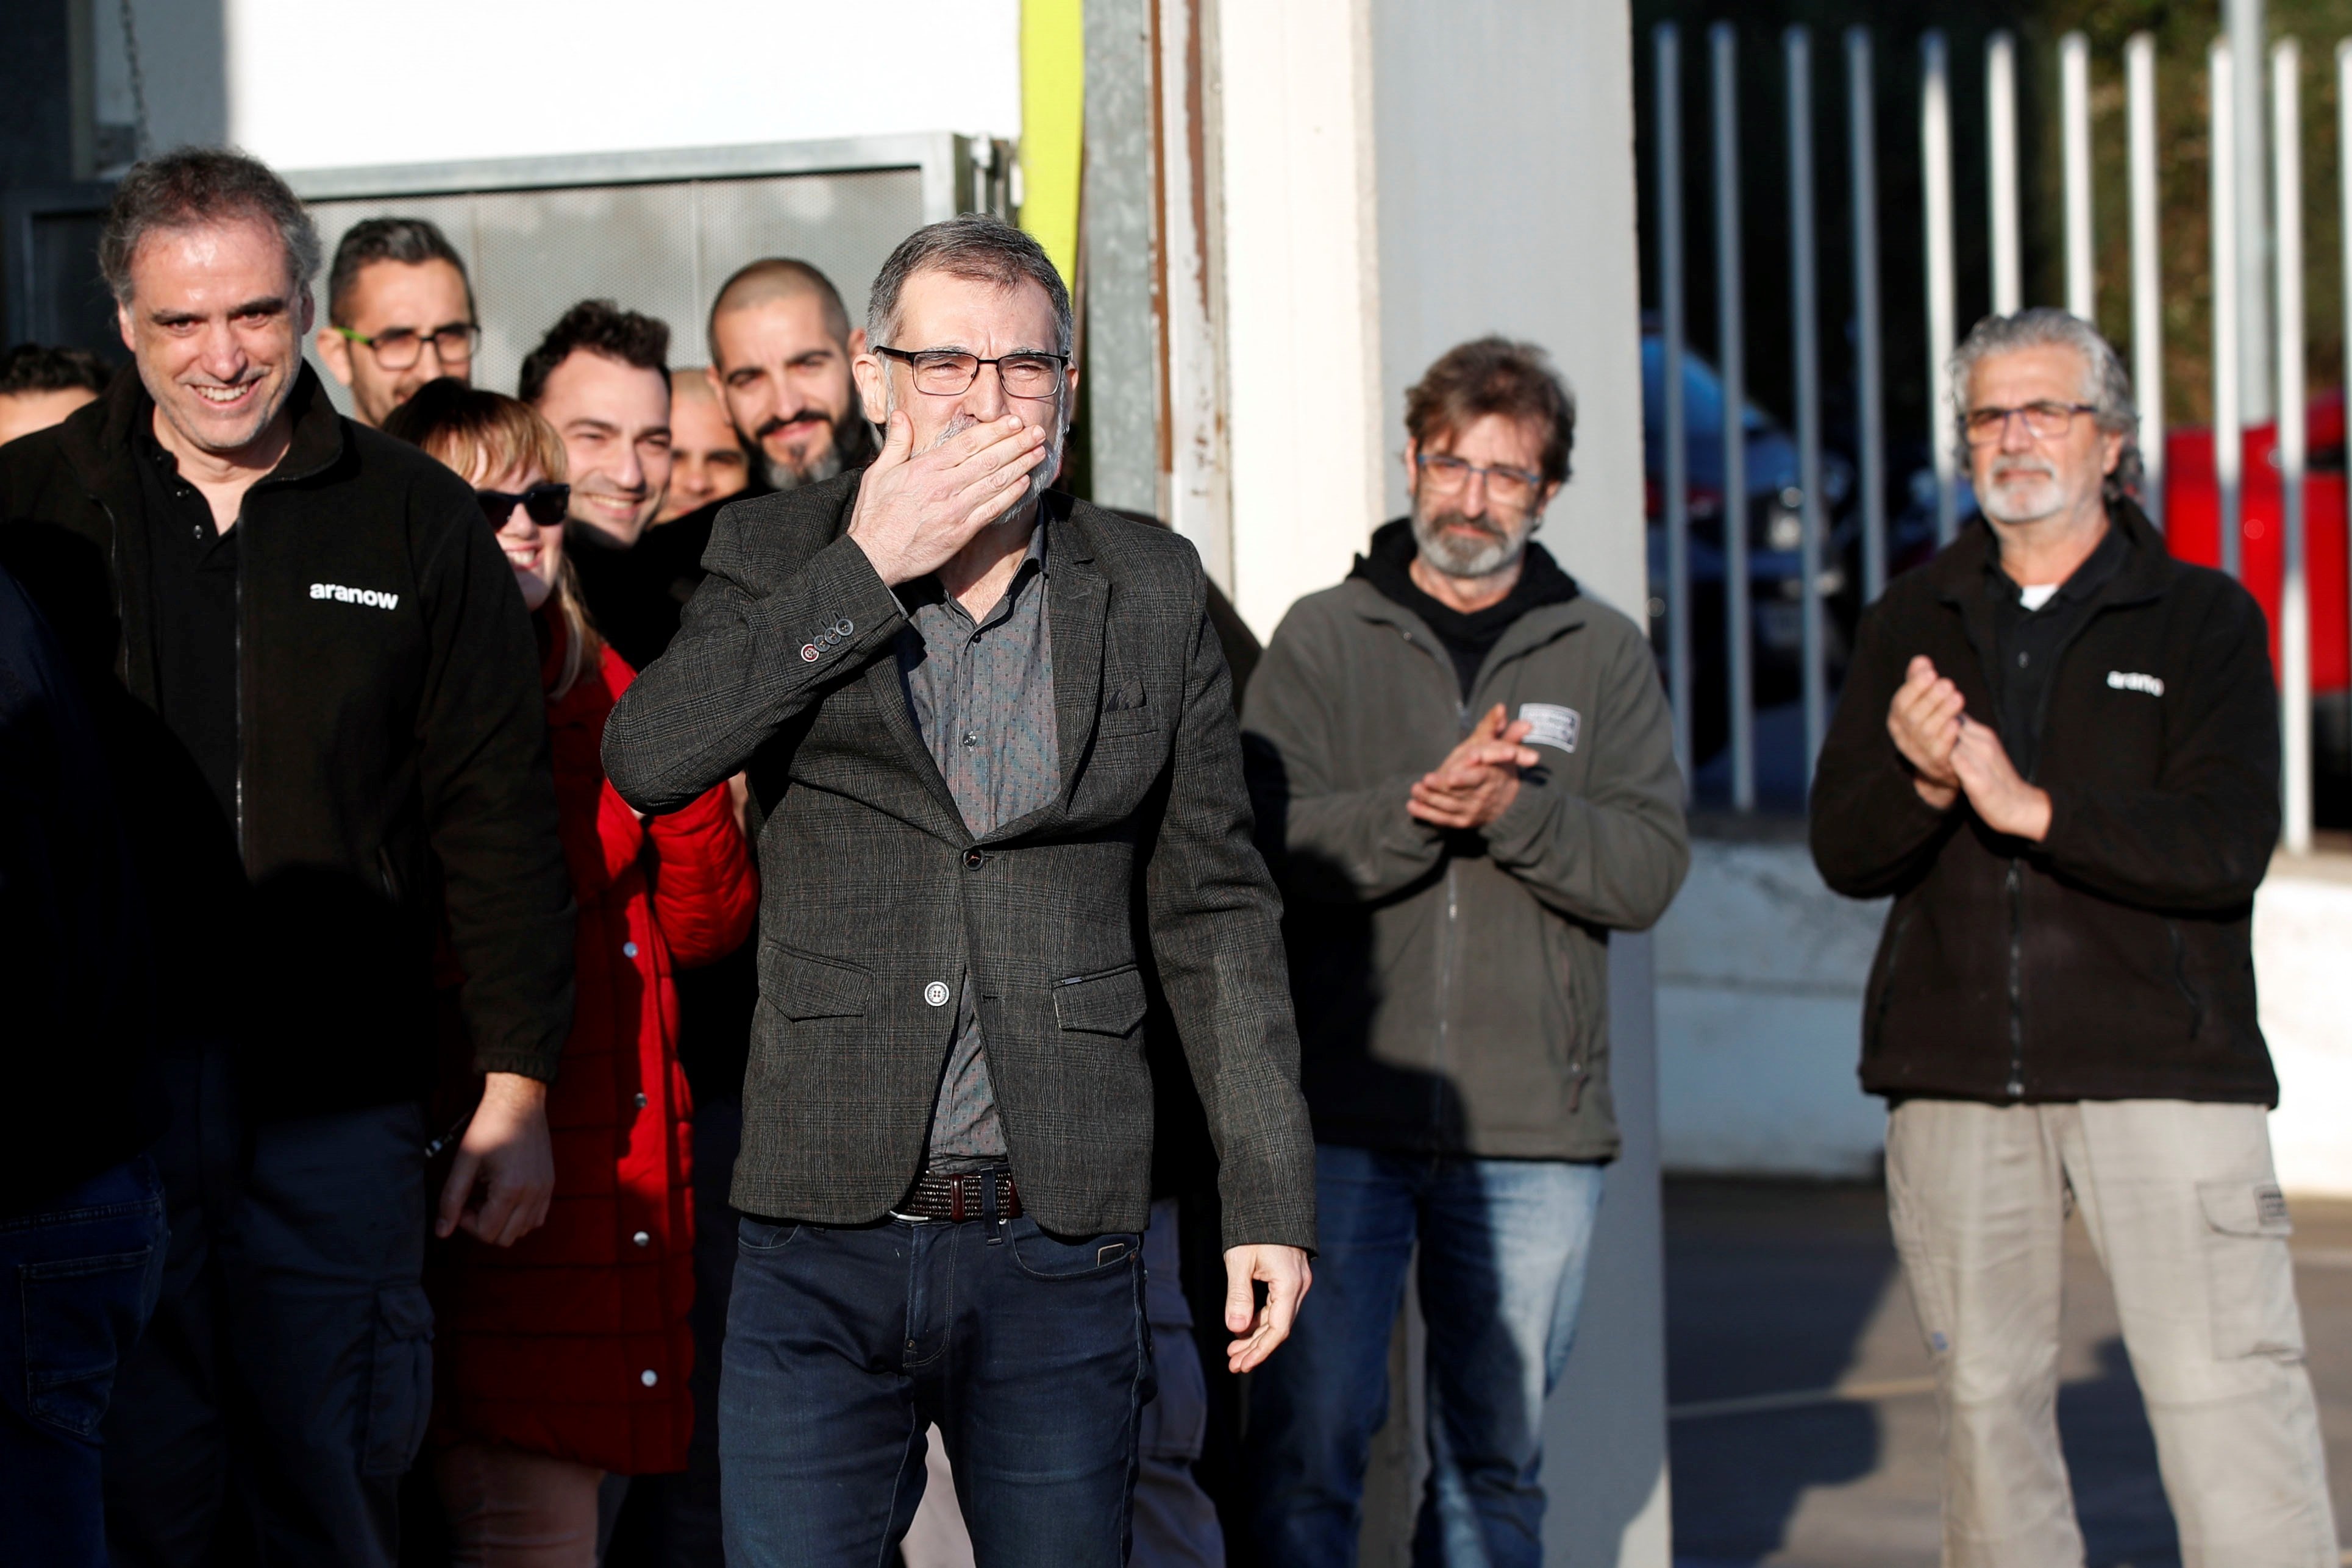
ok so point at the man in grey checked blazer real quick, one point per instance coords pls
(991, 731)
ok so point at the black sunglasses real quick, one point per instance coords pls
(546, 503)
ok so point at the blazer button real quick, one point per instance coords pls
(973, 860)
(937, 993)
(641, 1101)
(642, 1239)
(628, 949)
(649, 1377)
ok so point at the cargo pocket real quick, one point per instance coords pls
(400, 1382)
(2249, 1273)
(81, 1315)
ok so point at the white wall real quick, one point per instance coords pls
(1760, 975)
(317, 84)
(1302, 296)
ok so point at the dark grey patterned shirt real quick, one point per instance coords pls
(982, 696)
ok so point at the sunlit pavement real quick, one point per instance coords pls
(1803, 1428)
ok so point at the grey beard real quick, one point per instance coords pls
(1455, 559)
(782, 476)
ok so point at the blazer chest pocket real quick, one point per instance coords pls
(804, 986)
(1126, 711)
(1111, 1003)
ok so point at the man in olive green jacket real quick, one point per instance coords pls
(1464, 780)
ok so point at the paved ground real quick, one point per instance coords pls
(1777, 1294)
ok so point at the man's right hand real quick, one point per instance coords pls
(916, 509)
(1924, 720)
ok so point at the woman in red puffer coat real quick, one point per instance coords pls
(565, 1357)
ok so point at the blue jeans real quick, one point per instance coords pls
(1503, 1250)
(79, 1276)
(843, 1344)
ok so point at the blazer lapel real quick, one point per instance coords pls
(889, 694)
(1077, 599)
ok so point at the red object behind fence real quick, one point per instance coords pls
(2192, 527)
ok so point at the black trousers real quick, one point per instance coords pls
(286, 1379)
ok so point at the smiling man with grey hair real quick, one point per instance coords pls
(2057, 750)
(991, 729)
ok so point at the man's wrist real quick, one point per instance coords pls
(515, 1089)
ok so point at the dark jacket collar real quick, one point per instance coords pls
(98, 441)
(1957, 573)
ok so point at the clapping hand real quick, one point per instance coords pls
(1925, 720)
(1479, 778)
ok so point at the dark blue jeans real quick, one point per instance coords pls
(77, 1278)
(843, 1344)
(1503, 1248)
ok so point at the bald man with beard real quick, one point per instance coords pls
(781, 345)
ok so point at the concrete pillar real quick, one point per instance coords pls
(1302, 296)
(1376, 213)
(1116, 221)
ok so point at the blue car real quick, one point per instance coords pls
(1771, 511)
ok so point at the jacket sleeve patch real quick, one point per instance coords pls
(1553, 725)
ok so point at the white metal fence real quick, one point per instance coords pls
(2254, 264)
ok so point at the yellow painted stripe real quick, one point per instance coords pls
(1053, 121)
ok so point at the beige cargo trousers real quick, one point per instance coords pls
(2183, 1205)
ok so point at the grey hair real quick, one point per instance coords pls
(976, 245)
(2106, 384)
(192, 185)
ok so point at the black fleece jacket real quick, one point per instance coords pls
(2113, 960)
(392, 769)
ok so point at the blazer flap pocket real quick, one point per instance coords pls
(1108, 1003)
(2244, 1208)
(807, 986)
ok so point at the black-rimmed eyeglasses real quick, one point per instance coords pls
(399, 348)
(943, 373)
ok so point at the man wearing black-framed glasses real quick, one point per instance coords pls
(400, 313)
(992, 732)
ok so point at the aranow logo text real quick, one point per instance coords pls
(2125, 681)
(341, 594)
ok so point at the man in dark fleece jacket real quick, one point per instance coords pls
(313, 654)
(1464, 780)
(2058, 750)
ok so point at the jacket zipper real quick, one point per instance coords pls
(2016, 1085)
(244, 720)
(1445, 940)
(2016, 1088)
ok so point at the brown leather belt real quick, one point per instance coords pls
(960, 1195)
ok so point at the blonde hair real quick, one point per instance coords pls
(481, 434)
